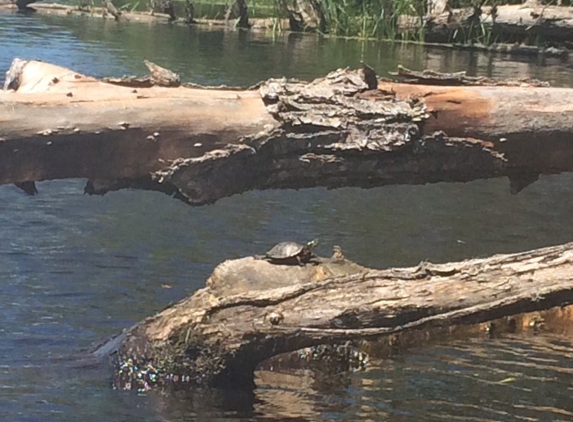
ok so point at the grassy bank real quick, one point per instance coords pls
(365, 19)
(351, 18)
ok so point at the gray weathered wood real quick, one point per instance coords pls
(251, 310)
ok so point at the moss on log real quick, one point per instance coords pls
(252, 310)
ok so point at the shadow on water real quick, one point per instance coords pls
(508, 379)
(77, 269)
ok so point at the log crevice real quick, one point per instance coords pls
(287, 134)
(247, 326)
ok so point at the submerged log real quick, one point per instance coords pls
(203, 144)
(252, 310)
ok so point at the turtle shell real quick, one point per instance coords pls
(285, 250)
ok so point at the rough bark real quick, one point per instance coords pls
(238, 10)
(331, 132)
(304, 15)
(252, 310)
(531, 23)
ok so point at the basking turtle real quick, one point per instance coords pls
(288, 253)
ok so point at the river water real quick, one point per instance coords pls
(75, 269)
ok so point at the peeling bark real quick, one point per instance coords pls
(221, 333)
(334, 131)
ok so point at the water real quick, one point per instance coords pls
(75, 269)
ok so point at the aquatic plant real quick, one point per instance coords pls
(364, 18)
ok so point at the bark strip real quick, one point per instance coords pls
(203, 144)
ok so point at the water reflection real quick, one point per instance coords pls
(104, 48)
(75, 269)
(522, 378)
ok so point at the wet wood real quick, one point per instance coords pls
(252, 310)
(203, 144)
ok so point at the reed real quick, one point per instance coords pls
(370, 18)
(364, 19)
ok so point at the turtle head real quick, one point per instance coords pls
(312, 244)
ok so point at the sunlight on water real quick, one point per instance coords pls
(76, 269)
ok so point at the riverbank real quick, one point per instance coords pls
(79, 268)
(439, 32)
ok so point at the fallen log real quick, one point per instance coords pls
(508, 26)
(531, 23)
(252, 310)
(93, 12)
(203, 144)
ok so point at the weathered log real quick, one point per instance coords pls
(431, 77)
(331, 132)
(304, 15)
(136, 16)
(109, 7)
(528, 22)
(513, 24)
(252, 310)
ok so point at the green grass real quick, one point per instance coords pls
(364, 19)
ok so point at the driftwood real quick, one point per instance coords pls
(252, 310)
(109, 7)
(334, 131)
(431, 77)
(166, 14)
(159, 76)
(205, 144)
(529, 22)
(512, 25)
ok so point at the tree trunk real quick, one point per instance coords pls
(204, 144)
(252, 310)
(528, 23)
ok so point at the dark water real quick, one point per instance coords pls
(75, 269)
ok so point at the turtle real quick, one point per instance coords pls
(288, 253)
